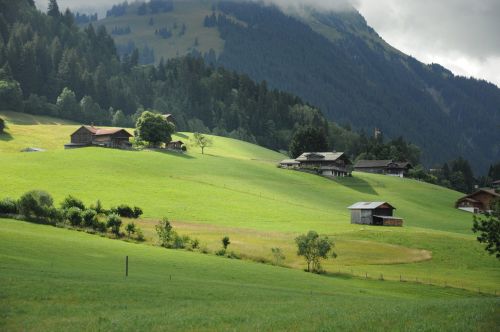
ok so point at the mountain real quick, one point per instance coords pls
(332, 60)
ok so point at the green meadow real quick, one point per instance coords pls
(60, 280)
(234, 189)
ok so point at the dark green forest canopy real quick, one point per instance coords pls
(360, 80)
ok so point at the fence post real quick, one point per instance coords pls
(366, 275)
(126, 266)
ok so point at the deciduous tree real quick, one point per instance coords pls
(154, 128)
(201, 141)
(488, 227)
(314, 248)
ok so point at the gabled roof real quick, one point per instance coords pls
(481, 190)
(289, 161)
(101, 132)
(368, 205)
(381, 164)
(372, 163)
(326, 156)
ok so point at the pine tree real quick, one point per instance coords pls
(53, 9)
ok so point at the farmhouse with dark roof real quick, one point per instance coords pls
(92, 136)
(479, 201)
(325, 163)
(387, 167)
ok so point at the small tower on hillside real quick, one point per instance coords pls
(377, 133)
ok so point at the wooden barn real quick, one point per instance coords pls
(90, 135)
(175, 145)
(479, 201)
(374, 213)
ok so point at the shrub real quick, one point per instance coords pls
(130, 229)
(195, 244)
(8, 206)
(70, 202)
(183, 148)
(225, 242)
(36, 203)
(221, 252)
(114, 222)
(165, 232)
(74, 216)
(137, 212)
(100, 226)
(179, 242)
(125, 211)
(98, 207)
(2, 125)
(89, 217)
(139, 235)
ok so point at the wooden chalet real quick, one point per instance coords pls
(374, 213)
(495, 184)
(175, 145)
(479, 201)
(92, 136)
(324, 163)
(386, 167)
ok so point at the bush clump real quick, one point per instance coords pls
(74, 216)
(89, 218)
(125, 211)
(71, 201)
(114, 222)
(8, 206)
(40, 205)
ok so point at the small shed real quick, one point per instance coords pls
(374, 213)
(175, 145)
(289, 163)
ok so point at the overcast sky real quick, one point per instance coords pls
(461, 35)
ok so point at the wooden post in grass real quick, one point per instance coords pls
(126, 266)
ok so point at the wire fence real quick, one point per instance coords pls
(426, 280)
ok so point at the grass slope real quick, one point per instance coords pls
(56, 279)
(236, 189)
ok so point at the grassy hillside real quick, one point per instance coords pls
(56, 279)
(237, 190)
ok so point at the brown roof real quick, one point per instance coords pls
(323, 156)
(484, 190)
(101, 132)
(381, 164)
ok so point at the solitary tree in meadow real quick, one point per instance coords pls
(201, 141)
(314, 248)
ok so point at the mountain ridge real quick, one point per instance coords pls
(336, 61)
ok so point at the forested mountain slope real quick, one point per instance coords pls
(335, 61)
